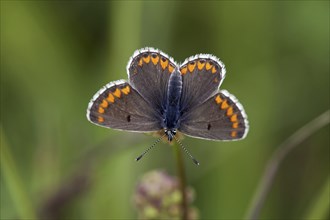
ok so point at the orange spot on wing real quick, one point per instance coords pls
(200, 64)
(104, 103)
(184, 70)
(100, 119)
(230, 111)
(233, 118)
(208, 66)
(214, 70)
(101, 110)
(164, 62)
(191, 66)
(126, 90)
(117, 93)
(218, 100)
(224, 105)
(110, 98)
(170, 68)
(233, 133)
(146, 59)
(155, 60)
(235, 125)
(140, 63)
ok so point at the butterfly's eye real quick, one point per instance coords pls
(174, 132)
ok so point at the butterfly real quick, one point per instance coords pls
(161, 95)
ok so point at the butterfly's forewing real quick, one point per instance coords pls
(221, 117)
(119, 106)
(201, 77)
(149, 71)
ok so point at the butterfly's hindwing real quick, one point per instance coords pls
(119, 106)
(221, 117)
(149, 71)
(201, 77)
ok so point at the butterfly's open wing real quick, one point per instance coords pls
(201, 77)
(117, 105)
(148, 72)
(221, 117)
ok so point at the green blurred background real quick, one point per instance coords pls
(56, 55)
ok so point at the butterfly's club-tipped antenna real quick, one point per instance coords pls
(146, 151)
(192, 158)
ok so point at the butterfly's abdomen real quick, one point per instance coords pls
(172, 111)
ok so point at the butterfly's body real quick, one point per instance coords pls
(162, 95)
(172, 108)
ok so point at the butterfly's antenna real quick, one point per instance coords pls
(192, 158)
(146, 151)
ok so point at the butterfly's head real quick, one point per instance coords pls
(170, 134)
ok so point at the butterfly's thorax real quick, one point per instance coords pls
(172, 108)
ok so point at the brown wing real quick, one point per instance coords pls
(117, 105)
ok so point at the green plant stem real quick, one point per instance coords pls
(14, 183)
(278, 156)
(182, 177)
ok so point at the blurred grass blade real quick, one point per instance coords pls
(278, 156)
(14, 183)
(320, 204)
(125, 31)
